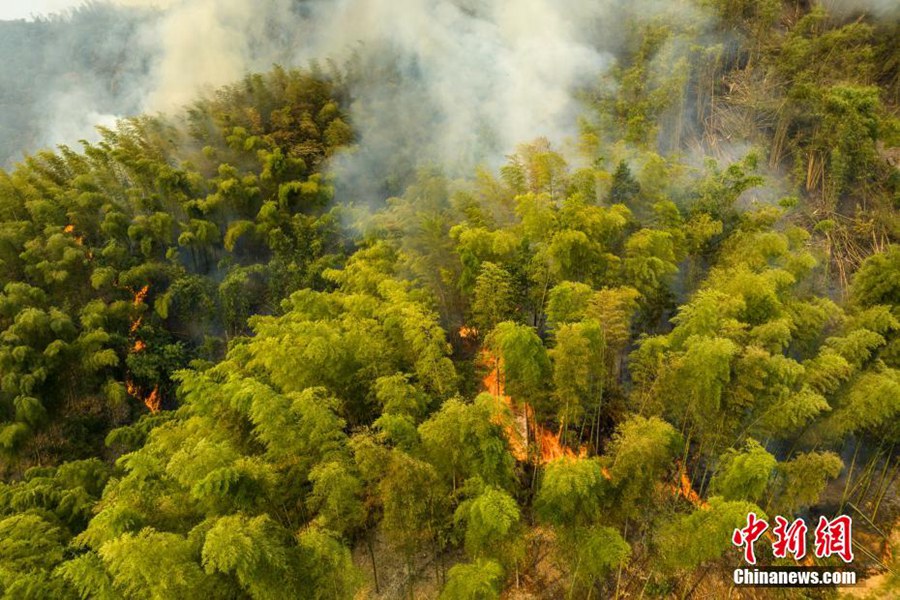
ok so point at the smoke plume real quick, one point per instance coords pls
(447, 82)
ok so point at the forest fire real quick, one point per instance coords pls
(467, 333)
(523, 315)
(548, 445)
(153, 400)
(551, 446)
(685, 489)
(517, 432)
(139, 297)
(141, 294)
(78, 239)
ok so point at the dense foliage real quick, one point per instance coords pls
(125, 262)
(572, 377)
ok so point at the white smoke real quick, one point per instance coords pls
(458, 82)
(488, 74)
(208, 43)
(882, 9)
(448, 82)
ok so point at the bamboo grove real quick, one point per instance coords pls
(570, 376)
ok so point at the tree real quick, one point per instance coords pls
(571, 492)
(30, 548)
(596, 552)
(697, 378)
(414, 507)
(525, 363)
(568, 302)
(572, 498)
(328, 565)
(650, 263)
(256, 552)
(801, 480)
(479, 580)
(465, 440)
(743, 475)
(703, 535)
(492, 524)
(624, 188)
(878, 279)
(580, 373)
(493, 297)
(640, 451)
(337, 496)
(157, 565)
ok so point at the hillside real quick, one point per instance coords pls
(93, 57)
(279, 345)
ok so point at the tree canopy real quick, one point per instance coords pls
(573, 373)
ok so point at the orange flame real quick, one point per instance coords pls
(139, 297)
(78, 239)
(548, 444)
(687, 491)
(466, 332)
(517, 431)
(684, 489)
(141, 294)
(153, 401)
(552, 448)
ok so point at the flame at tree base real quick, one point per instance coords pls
(548, 446)
(551, 446)
(685, 489)
(517, 430)
(524, 429)
(153, 401)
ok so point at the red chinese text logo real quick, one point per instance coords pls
(789, 539)
(831, 538)
(748, 535)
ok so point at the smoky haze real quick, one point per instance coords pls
(62, 75)
(467, 79)
(448, 82)
(452, 83)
